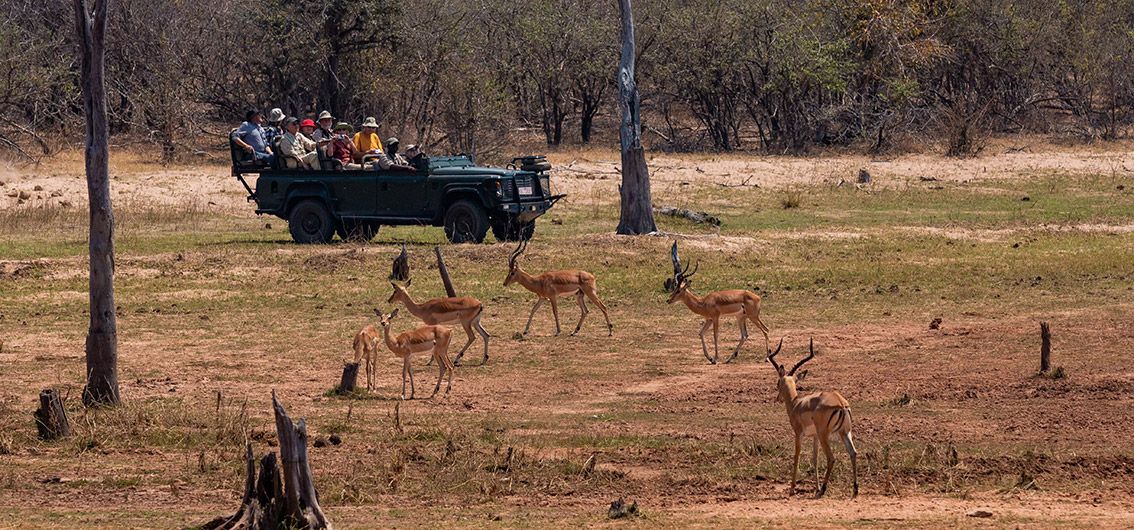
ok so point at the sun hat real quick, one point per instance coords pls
(343, 126)
(275, 116)
(370, 122)
(291, 120)
(307, 123)
(325, 115)
(391, 141)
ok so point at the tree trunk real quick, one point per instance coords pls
(51, 417)
(637, 215)
(302, 500)
(1045, 348)
(102, 335)
(444, 271)
(349, 379)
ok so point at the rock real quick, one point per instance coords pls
(267, 226)
(335, 439)
(56, 193)
(37, 188)
(925, 178)
(619, 509)
(979, 513)
(864, 177)
(320, 442)
(24, 195)
(1025, 198)
(13, 193)
(935, 324)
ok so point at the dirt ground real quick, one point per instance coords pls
(217, 309)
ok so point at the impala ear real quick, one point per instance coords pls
(799, 377)
(780, 370)
(409, 282)
(377, 311)
(394, 313)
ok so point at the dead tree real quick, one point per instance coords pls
(273, 499)
(444, 271)
(637, 214)
(349, 379)
(1045, 348)
(401, 271)
(51, 417)
(102, 335)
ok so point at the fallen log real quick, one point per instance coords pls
(696, 217)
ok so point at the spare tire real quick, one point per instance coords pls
(537, 166)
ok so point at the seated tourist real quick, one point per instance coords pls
(274, 129)
(297, 147)
(342, 147)
(392, 151)
(366, 140)
(324, 131)
(250, 137)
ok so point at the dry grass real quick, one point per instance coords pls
(948, 419)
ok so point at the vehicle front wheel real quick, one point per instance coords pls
(466, 222)
(358, 231)
(511, 230)
(310, 222)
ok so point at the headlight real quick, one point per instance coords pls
(545, 185)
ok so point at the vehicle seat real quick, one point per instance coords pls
(240, 157)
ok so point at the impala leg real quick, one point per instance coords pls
(440, 373)
(405, 366)
(602, 307)
(484, 336)
(716, 340)
(815, 459)
(742, 322)
(848, 441)
(409, 367)
(795, 464)
(369, 373)
(468, 331)
(705, 349)
(555, 312)
(582, 312)
(826, 443)
(755, 316)
(538, 302)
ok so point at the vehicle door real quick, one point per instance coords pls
(403, 194)
(356, 191)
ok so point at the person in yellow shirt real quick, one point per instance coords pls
(370, 147)
(366, 140)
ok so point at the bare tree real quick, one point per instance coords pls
(637, 215)
(102, 336)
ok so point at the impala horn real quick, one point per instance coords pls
(517, 253)
(810, 355)
(772, 357)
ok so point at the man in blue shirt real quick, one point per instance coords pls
(250, 137)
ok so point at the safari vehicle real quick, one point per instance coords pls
(447, 191)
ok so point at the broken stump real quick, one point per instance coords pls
(349, 378)
(51, 417)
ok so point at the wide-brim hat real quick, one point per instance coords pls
(343, 126)
(275, 115)
(391, 140)
(370, 122)
(325, 115)
(291, 120)
(307, 123)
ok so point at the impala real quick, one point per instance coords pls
(819, 414)
(552, 285)
(433, 339)
(744, 305)
(366, 348)
(463, 310)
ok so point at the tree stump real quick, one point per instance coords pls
(51, 417)
(444, 271)
(349, 379)
(1045, 348)
(273, 499)
(400, 270)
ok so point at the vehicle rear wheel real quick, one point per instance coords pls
(511, 230)
(466, 222)
(310, 222)
(358, 231)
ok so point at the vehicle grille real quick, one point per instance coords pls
(507, 192)
(525, 186)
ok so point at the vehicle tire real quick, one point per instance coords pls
(310, 222)
(466, 222)
(510, 230)
(357, 231)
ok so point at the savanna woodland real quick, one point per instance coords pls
(888, 280)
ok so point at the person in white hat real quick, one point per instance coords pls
(274, 129)
(366, 140)
(326, 122)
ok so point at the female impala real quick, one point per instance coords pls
(744, 305)
(819, 414)
(464, 310)
(553, 284)
(434, 339)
